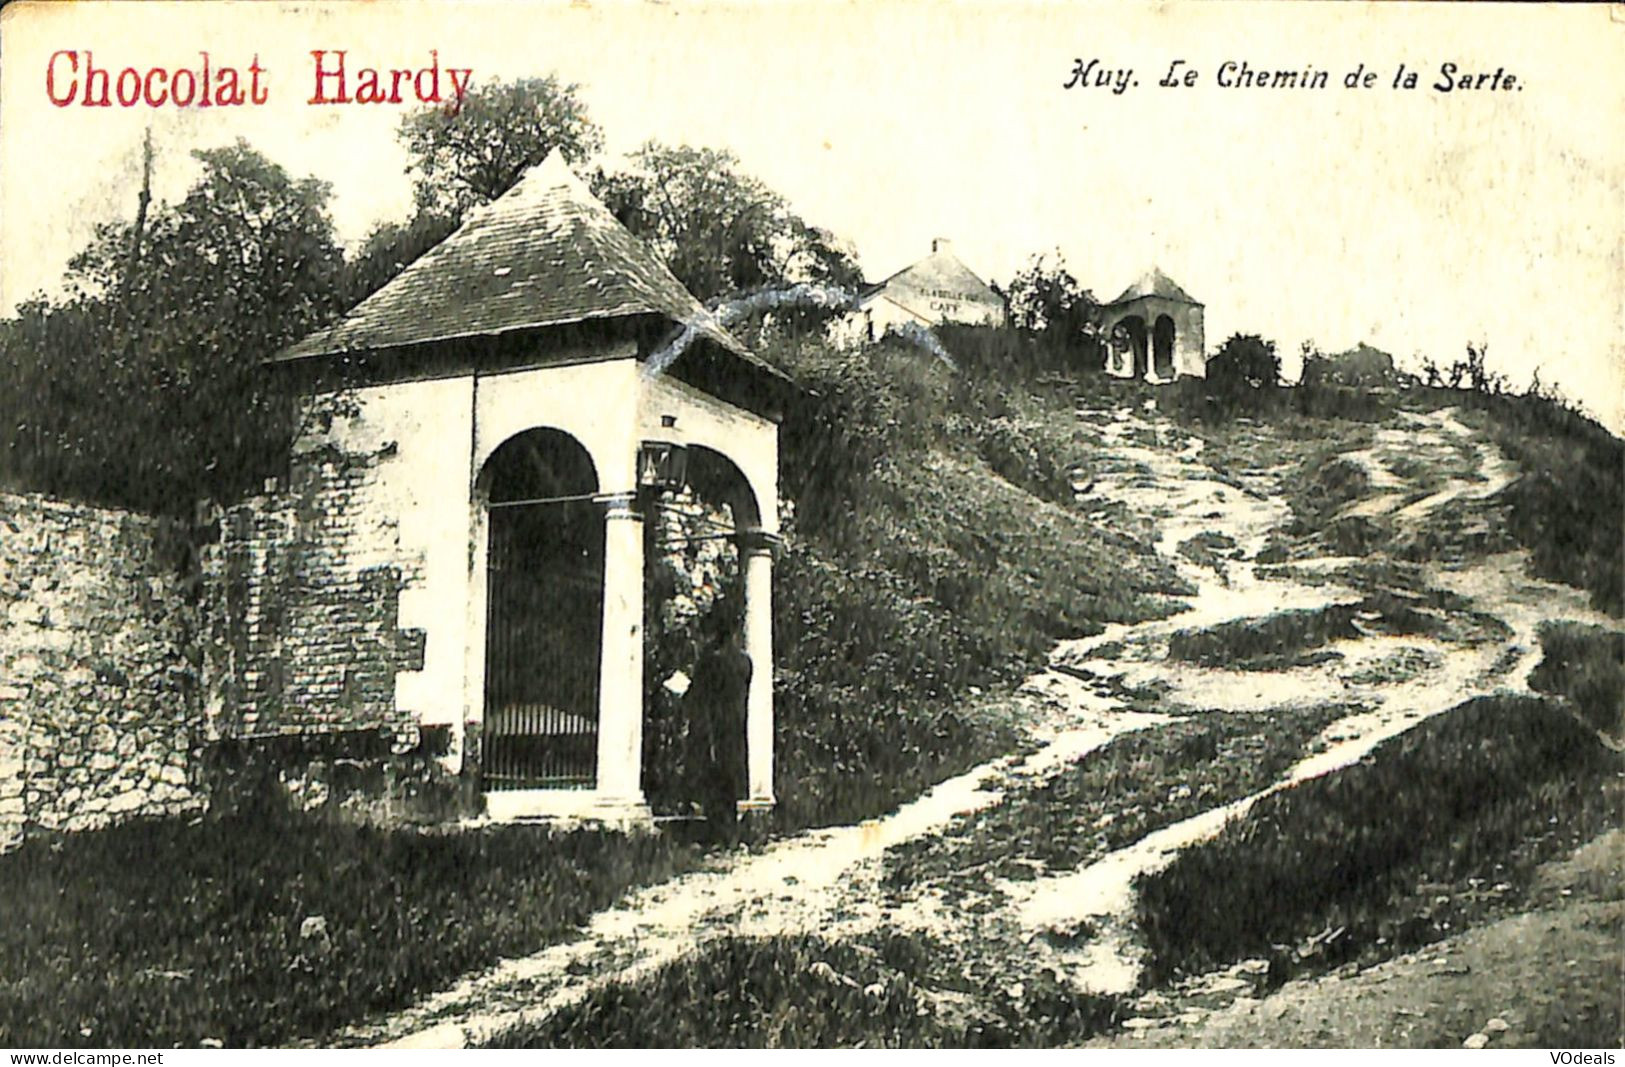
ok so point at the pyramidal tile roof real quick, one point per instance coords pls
(1156, 283)
(545, 253)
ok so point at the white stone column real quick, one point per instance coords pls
(620, 677)
(756, 550)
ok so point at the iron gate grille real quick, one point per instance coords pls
(543, 634)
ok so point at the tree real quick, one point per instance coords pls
(460, 159)
(390, 248)
(150, 385)
(1244, 362)
(719, 230)
(475, 154)
(1048, 302)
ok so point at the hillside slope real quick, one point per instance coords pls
(1358, 620)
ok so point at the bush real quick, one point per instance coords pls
(831, 441)
(1361, 367)
(1244, 363)
(1586, 665)
(1485, 791)
(1048, 305)
(142, 388)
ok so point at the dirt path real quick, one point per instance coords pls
(829, 880)
(822, 879)
(1431, 676)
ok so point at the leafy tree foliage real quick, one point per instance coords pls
(475, 154)
(1049, 303)
(461, 159)
(1245, 361)
(718, 229)
(143, 387)
(390, 248)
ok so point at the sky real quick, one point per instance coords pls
(1415, 220)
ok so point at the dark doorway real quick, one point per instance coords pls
(544, 623)
(1163, 347)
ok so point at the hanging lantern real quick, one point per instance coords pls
(663, 462)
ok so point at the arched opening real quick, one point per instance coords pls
(1131, 345)
(694, 753)
(544, 618)
(1163, 347)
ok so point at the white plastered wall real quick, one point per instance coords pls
(749, 440)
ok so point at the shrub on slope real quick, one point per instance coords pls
(1384, 855)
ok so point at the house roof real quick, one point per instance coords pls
(1156, 283)
(940, 270)
(545, 253)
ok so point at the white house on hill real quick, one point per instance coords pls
(937, 289)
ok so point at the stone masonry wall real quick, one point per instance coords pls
(98, 681)
(302, 591)
(303, 642)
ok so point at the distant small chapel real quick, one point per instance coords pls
(1154, 331)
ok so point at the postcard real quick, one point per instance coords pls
(811, 525)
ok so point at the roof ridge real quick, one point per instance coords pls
(1155, 282)
(544, 253)
(936, 253)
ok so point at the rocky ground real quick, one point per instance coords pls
(1389, 637)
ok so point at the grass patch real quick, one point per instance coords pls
(808, 992)
(1210, 550)
(1421, 476)
(1270, 643)
(1439, 828)
(161, 933)
(1111, 798)
(1396, 605)
(1568, 508)
(1586, 666)
(779, 992)
(1333, 484)
(1401, 666)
